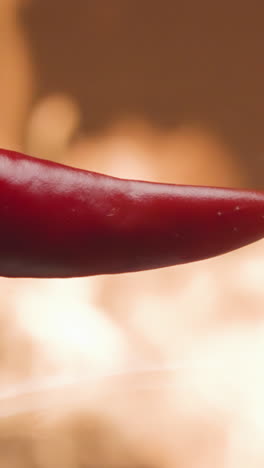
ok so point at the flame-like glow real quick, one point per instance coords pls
(158, 369)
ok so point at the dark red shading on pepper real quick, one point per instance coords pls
(58, 221)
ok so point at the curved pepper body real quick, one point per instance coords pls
(58, 221)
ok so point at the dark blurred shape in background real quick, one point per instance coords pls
(168, 62)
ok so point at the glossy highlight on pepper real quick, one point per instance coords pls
(59, 222)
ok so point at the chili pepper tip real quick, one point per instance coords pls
(59, 222)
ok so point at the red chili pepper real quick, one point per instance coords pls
(57, 221)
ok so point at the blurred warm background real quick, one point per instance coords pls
(162, 369)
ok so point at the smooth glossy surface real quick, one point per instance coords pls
(57, 221)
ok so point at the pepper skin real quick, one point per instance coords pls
(58, 221)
